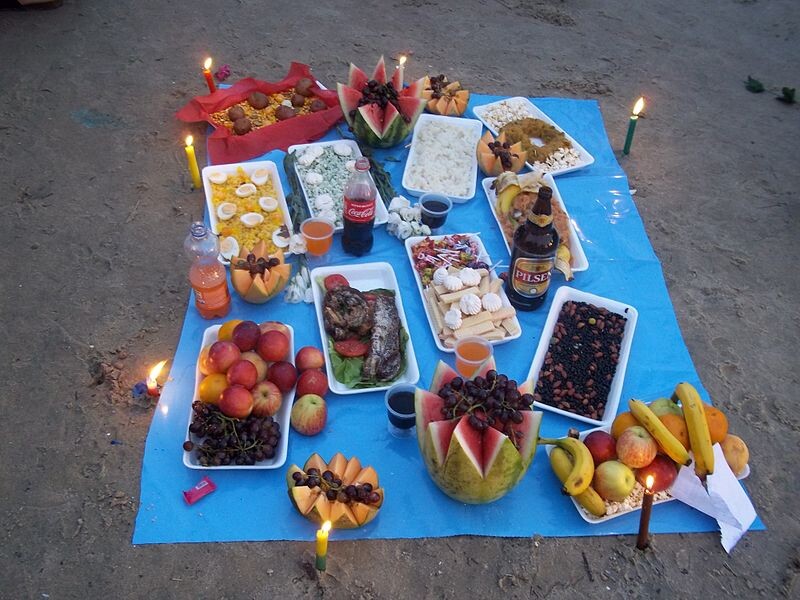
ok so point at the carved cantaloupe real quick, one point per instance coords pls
(497, 155)
(257, 276)
(444, 97)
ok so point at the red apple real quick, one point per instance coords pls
(613, 481)
(273, 346)
(258, 362)
(309, 415)
(282, 374)
(243, 373)
(602, 446)
(663, 470)
(267, 399)
(309, 357)
(222, 355)
(245, 335)
(236, 402)
(312, 382)
(636, 447)
(274, 326)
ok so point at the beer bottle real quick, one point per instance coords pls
(533, 255)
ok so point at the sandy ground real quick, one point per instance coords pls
(96, 204)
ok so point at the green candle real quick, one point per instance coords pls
(632, 125)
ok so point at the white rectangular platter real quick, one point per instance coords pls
(281, 417)
(483, 256)
(249, 168)
(364, 276)
(531, 110)
(381, 213)
(565, 294)
(593, 520)
(471, 127)
(579, 262)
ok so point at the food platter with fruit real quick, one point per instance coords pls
(650, 440)
(239, 418)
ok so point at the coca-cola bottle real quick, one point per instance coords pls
(359, 210)
(533, 255)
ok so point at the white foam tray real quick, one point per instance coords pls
(471, 126)
(585, 158)
(483, 255)
(282, 416)
(579, 260)
(565, 294)
(364, 277)
(381, 213)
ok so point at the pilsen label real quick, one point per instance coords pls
(531, 277)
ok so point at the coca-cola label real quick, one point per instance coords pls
(531, 277)
(359, 212)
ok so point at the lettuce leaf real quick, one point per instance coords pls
(348, 370)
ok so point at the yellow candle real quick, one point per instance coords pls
(322, 546)
(194, 170)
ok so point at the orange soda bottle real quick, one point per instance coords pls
(207, 275)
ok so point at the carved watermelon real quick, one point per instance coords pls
(476, 450)
(380, 114)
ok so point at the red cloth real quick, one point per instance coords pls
(225, 147)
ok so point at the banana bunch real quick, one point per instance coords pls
(697, 426)
(671, 445)
(579, 477)
(561, 462)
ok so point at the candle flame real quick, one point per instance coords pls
(207, 64)
(403, 59)
(155, 371)
(189, 140)
(637, 108)
(648, 483)
(326, 526)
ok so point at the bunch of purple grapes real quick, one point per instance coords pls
(490, 400)
(228, 441)
(333, 488)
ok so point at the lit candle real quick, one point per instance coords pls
(644, 520)
(152, 379)
(197, 183)
(637, 108)
(401, 71)
(209, 79)
(322, 546)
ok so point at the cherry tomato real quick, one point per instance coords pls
(369, 297)
(332, 282)
(351, 348)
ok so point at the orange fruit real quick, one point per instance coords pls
(677, 427)
(717, 423)
(211, 387)
(621, 423)
(736, 453)
(202, 362)
(225, 333)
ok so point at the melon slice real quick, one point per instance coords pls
(348, 100)
(337, 464)
(428, 407)
(289, 473)
(379, 74)
(356, 78)
(367, 475)
(351, 471)
(411, 107)
(414, 90)
(438, 438)
(321, 510)
(501, 462)
(304, 498)
(526, 387)
(341, 517)
(364, 513)
(258, 291)
(442, 375)
(315, 462)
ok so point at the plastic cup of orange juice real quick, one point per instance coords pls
(471, 353)
(318, 234)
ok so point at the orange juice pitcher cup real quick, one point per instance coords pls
(471, 353)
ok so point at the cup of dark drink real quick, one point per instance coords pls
(400, 410)
(434, 209)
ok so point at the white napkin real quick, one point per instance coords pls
(723, 498)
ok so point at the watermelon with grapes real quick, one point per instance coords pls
(379, 110)
(478, 436)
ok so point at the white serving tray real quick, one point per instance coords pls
(593, 520)
(363, 276)
(564, 294)
(585, 158)
(579, 260)
(470, 125)
(483, 255)
(248, 167)
(381, 213)
(282, 416)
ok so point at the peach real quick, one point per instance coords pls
(243, 373)
(259, 363)
(309, 357)
(245, 335)
(273, 346)
(236, 402)
(222, 355)
(312, 382)
(282, 374)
